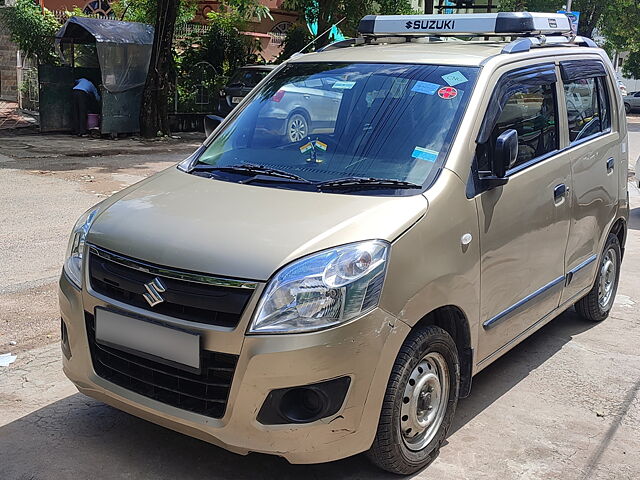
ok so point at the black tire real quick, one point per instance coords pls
(590, 307)
(389, 450)
(627, 108)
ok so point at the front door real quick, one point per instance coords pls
(524, 224)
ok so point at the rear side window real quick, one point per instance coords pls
(587, 107)
(532, 113)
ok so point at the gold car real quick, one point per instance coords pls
(322, 296)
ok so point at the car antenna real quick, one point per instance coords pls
(317, 37)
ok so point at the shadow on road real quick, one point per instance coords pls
(634, 219)
(78, 437)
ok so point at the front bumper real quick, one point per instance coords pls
(364, 349)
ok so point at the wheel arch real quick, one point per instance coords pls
(619, 229)
(453, 320)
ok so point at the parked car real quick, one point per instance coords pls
(334, 291)
(240, 84)
(631, 101)
(622, 87)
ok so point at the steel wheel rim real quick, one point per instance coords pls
(297, 128)
(607, 278)
(424, 403)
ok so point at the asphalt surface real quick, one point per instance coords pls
(564, 404)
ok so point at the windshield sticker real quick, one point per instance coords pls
(321, 145)
(344, 85)
(447, 93)
(425, 154)
(306, 147)
(454, 78)
(425, 87)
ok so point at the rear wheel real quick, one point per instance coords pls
(297, 127)
(419, 403)
(596, 305)
(627, 108)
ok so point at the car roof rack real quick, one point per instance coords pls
(478, 24)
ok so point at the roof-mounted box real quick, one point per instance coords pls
(481, 24)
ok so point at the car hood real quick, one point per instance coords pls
(236, 230)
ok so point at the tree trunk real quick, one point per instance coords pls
(154, 113)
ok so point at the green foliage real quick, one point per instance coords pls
(247, 9)
(296, 39)
(631, 66)
(206, 61)
(32, 30)
(144, 11)
(395, 7)
(328, 12)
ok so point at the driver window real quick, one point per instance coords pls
(531, 111)
(587, 108)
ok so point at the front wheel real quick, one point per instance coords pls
(419, 403)
(596, 305)
(627, 108)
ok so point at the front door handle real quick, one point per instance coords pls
(610, 165)
(559, 191)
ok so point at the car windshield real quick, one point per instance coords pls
(247, 77)
(324, 122)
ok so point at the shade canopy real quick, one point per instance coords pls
(123, 48)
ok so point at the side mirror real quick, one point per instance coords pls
(505, 153)
(211, 122)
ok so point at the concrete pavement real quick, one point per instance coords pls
(564, 404)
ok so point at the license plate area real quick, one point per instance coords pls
(236, 99)
(149, 339)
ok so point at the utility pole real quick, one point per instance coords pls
(568, 8)
(428, 6)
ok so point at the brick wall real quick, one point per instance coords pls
(8, 71)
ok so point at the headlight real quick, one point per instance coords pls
(73, 259)
(323, 289)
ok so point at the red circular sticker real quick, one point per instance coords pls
(447, 92)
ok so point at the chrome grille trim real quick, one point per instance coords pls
(169, 273)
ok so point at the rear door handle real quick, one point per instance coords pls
(610, 165)
(559, 191)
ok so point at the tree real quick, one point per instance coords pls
(32, 30)
(154, 113)
(328, 12)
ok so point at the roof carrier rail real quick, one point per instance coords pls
(525, 44)
(487, 24)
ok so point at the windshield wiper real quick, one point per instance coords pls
(251, 168)
(350, 182)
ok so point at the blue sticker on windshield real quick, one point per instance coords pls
(425, 87)
(343, 85)
(454, 78)
(425, 154)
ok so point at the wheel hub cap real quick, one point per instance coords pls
(297, 129)
(607, 278)
(424, 403)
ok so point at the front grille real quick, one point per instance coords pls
(183, 299)
(205, 393)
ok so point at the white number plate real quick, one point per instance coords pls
(236, 99)
(130, 333)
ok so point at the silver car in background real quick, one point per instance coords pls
(302, 108)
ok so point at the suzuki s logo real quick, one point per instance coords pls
(154, 289)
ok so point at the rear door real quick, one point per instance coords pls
(595, 154)
(524, 224)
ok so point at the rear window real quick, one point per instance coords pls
(326, 121)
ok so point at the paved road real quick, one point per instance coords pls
(565, 404)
